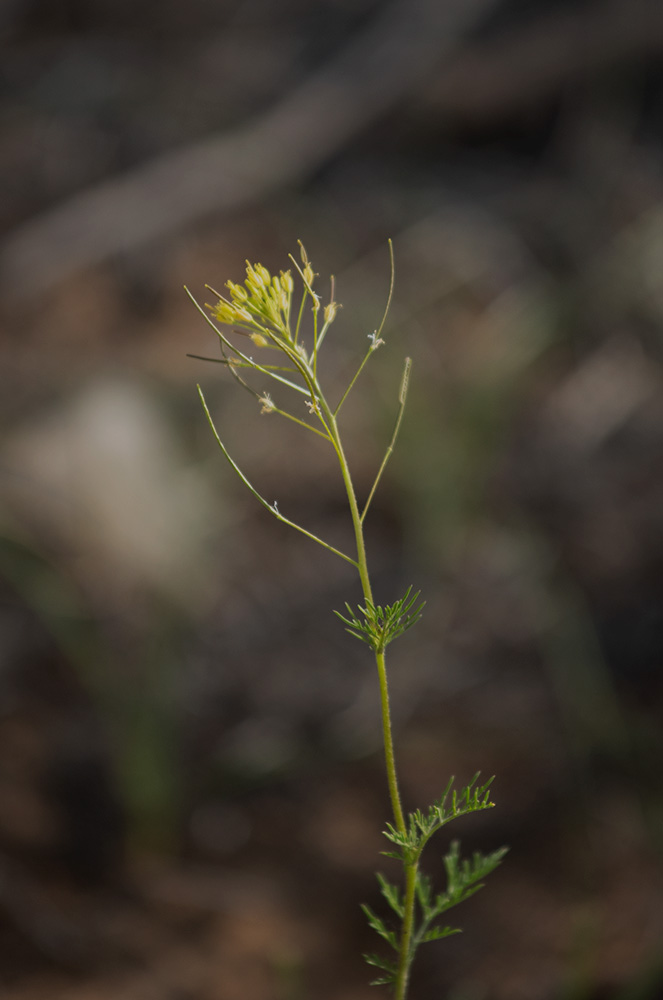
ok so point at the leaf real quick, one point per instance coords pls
(392, 894)
(471, 798)
(378, 626)
(379, 927)
(388, 967)
(424, 890)
(380, 963)
(437, 933)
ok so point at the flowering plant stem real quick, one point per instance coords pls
(400, 985)
(261, 309)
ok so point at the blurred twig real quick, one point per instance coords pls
(528, 63)
(382, 63)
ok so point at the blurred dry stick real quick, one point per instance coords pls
(389, 58)
(533, 60)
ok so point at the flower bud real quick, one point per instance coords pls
(238, 292)
(287, 282)
(224, 312)
(308, 274)
(250, 273)
(330, 312)
(263, 274)
(259, 340)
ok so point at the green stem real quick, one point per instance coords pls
(404, 954)
(402, 395)
(389, 757)
(271, 507)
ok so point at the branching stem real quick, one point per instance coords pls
(261, 310)
(399, 417)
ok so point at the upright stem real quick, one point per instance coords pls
(403, 971)
(389, 757)
(362, 566)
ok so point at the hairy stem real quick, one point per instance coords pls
(404, 953)
(389, 757)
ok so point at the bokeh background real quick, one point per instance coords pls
(191, 789)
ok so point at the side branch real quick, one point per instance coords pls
(271, 507)
(248, 361)
(402, 396)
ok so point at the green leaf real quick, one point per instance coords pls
(464, 877)
(381, 963)
(437, 933)
(392, 894)
(424, 890)
(390, 968)
(379, 927)
(452, 804)
(378, 626)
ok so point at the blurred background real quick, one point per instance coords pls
(191, 786)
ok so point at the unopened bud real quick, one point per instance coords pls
(263, 273)
(330, 312)
(308, 274)
(238, 292)
(259, 340)
(224, 312)
(287, 282)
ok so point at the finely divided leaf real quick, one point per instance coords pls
(379, 927)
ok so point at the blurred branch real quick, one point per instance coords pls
(397, 51)
(529, 63)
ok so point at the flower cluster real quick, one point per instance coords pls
(261, 305)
